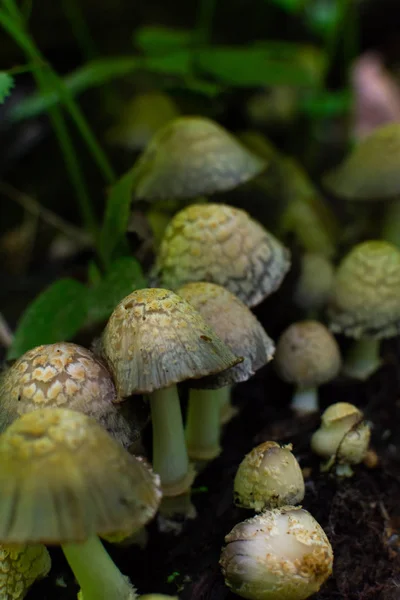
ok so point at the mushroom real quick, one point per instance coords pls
(371, 173)
(280, 554)
(365, 303)
(239, 329)
(268, 477)
(64, 375)
(221, 244)
(153, 340)
(190, 157)
(343, 438)
(20, 567)
(307, 355)
(314, 286)
(141, 118)
(63, 481)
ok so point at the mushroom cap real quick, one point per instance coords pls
(314, 285)
(154, 339)
(223, 245)
(64, 479)
(20, 567)
(193, 156)
(268, 477)
(371, 171)
(280, 554)
(366, 291)
(237, 327)
(63, 375)
(336, 421)
(339, 412)
(141, 118)
(307, 354)
(354, 445)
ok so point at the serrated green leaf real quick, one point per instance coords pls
(153, 40)
(6, 85)
(258, 65)
(123, 277)
(56, 314)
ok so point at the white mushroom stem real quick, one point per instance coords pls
(362, 359)
(97, 575)
(170, 457)
(305, 400)
(226, 410)
(203, 426)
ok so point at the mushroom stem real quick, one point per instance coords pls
(97, 575)
(391, 223)
(203, 423)
(305, 400)
(170, 457)
(226, 410)
(362, 359)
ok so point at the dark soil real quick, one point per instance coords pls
(361, 515)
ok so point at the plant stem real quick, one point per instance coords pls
(170, 457)
(74, 12)
(203, 426)
(97, 575)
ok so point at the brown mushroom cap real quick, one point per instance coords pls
(223, 245)
(307, 354)
(193, 156)
(64, 479)
(154, 339)
(63, 375)
(366, 292)
(371, 171)
(20, 567)
(236, 325)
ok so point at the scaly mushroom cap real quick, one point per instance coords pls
(193, 156)
(371, 171)
(237, 327)
(365, 300)
(268, 477)
(223, 245)
(154, 339)
(63, 375)
(307, 354)
(64, 479)
(281, 554)
(20, 567)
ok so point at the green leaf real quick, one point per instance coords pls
(152, 40)
(55, 315)
(326, 104)
(260, 65)
(175, 63)
(123, 277)
(6, 85)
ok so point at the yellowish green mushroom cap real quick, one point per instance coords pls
(63, 375)
(20, 567)
(307, 354)
(280, 554)
(141, 118)
(336, 421)
(371, 171)
(236, 325)
(193, 156)
(155, 339)
(64, 479)
(365, 300)
(221, 244)
(269, 477)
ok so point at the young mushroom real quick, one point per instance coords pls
(153, 340)
(221, 244)
(239, 329)
(268, 477)
(20, 567)
(343, 438)
(190, 157)
(63, 481)
(280, 554)
(315, 282)
(307, 355)
(365, 303)
(64, 375)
